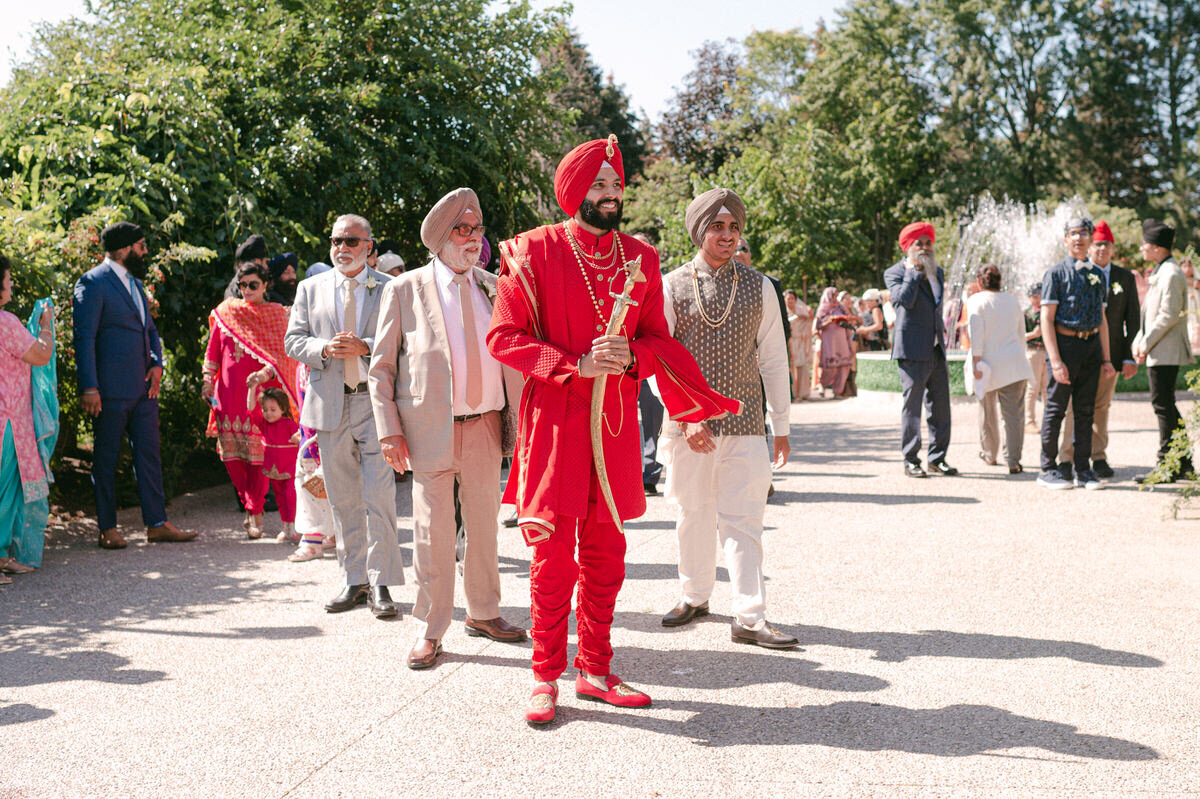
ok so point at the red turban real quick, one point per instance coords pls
(913, 232)
(1103, 232)
(577, 171)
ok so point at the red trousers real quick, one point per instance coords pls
(553, 575)
(285, 497)
(251, 484)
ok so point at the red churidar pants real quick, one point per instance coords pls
(251, 484)
(553, 575)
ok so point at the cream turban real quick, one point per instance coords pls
(705, 208)
(435, 230)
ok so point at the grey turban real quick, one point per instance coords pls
(704, 209)
(435, 230)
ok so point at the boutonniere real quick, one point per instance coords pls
(1117, 288)
(488, 289)
(1094, 279)
(371, 284)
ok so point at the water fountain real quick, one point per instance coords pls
(1023, 241)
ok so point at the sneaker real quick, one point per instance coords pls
(1053, 480)
(1067, 471)
(1103, 470)
(1088, 479)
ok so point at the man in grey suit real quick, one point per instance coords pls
(917, 284)
(439, 400)
(332, 329)
(1162, 339)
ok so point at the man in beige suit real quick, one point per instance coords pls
(1162, 339)
(438, 399)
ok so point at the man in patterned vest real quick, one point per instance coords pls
(720, 471)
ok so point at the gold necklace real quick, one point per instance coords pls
(587, 282)
(579, 253)
(700, 302)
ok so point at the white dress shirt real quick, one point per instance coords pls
(123, 274)
(360, 300)
(489, 367)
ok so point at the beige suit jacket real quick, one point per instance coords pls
(1163, 332)
(411, 383)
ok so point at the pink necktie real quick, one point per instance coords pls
(471, 337)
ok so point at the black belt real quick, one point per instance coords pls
(361, 388)
(467, 417)
(1082, 335)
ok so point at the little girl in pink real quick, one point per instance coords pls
(281, 439)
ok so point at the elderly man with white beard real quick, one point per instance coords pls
(917, 286)
(440, 400)
(332, 329)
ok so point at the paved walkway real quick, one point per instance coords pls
(970, 636)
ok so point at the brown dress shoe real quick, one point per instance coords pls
(111, 539)
(424, 654)
(497, 629)
(168, 532)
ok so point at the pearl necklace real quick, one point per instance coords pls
(587, 282)
(700, 302)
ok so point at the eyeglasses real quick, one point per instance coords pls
(467, 231)
(349, 241)
(250, 285)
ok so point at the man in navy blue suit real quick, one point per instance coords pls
(118, 363)
(917, 285)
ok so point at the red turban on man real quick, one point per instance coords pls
(577, 171)
(913, 232)
(1103, 232)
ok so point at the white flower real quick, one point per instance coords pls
(371, 284)
(1094, 279)
(1117, 288)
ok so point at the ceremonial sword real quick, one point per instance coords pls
(621, 305)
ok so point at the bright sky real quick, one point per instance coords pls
(645, 44)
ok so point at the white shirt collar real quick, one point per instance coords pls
(445, 275)
(121, 271)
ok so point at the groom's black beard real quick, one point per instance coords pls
(136, 265)
(591, 214)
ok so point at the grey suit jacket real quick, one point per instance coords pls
(1163, 332)
(411, 378)
(311, 325)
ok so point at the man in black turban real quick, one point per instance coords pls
(283, 278)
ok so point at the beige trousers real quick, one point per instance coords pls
(1104, 397)
(1009, 400)
(801, 384)
(476, 469)
(1036, 387)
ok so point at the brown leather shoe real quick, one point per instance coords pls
(111, 539)
(424, 654)
(497, 629)
(168, 532)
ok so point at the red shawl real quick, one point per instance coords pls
(259, 328)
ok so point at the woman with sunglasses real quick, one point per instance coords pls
(245, 351)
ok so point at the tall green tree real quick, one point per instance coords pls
(596, 105)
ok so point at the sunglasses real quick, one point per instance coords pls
(349, 241)
(250, 285)
(469, 230)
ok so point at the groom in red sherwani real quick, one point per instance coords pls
(554, 299)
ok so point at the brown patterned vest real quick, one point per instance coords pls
(728, 352)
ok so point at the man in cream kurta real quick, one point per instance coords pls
(438, 397)
(719, 471)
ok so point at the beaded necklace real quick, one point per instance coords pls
(597, 303)
(700, 301)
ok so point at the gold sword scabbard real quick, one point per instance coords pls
(621, 304)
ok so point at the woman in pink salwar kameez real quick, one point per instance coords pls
(245, 350)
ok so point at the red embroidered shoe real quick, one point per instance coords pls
(618, 693)
(541, 704)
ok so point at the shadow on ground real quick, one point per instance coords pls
(898, 647)
(952, 731)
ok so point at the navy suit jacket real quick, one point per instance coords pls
(918, 312)
(114, 349)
